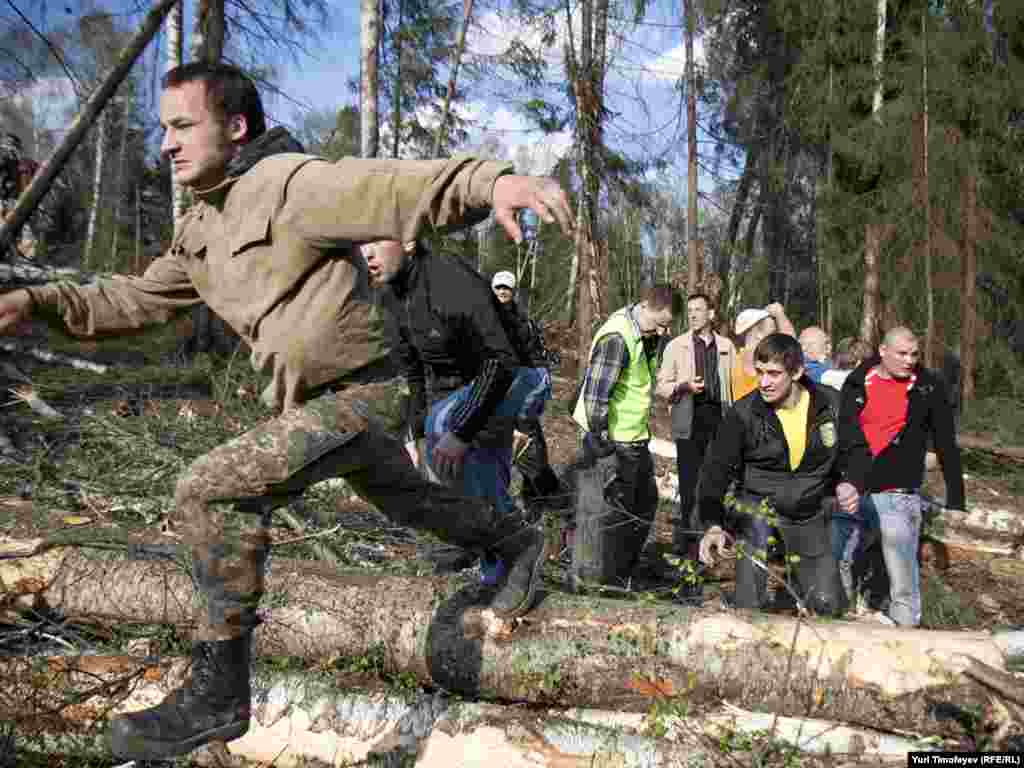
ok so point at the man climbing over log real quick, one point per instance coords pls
(782, 447)
(268, 245)
(468, 382)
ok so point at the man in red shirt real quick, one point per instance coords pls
(896, 404)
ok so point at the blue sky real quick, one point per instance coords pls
(646, 60)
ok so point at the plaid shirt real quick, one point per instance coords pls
(607, 360)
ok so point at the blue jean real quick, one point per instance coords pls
(487, 467)
(897, 518)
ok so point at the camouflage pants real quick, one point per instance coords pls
(351, 434)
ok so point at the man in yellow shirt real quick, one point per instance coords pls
(780, 443)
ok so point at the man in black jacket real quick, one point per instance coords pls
(540, 483)
(890, 406)
(782, 447)
(466, 378)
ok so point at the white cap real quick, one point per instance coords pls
(503, 280)
(748, 318)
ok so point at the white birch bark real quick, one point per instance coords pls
(97, 190)
(369, 44)
(175, 24)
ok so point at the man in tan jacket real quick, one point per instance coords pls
(268, 245)
(695, 377)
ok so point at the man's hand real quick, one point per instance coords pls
(448, 456)
(775, 309)
(15, 309)
(714, 539)
(847, 498)
(542, 196)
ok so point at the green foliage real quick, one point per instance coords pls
(942, 607)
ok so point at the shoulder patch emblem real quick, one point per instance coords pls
(828, 434)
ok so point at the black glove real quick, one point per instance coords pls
(596, 448)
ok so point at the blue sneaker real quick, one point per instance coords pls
(492, 570)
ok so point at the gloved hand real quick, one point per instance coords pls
(714, 539)
(598, 447)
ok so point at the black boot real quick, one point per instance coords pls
(520, 545)
(214, 703)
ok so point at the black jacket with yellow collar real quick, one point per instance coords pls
(751, 448)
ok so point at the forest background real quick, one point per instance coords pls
(858, 161)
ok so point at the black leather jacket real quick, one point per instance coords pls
(751, 448)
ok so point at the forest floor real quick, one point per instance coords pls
(126, 434)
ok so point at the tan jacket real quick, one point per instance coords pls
(271, 252)
(677, 367)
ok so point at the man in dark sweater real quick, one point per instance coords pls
(890, 406)
(467, 380)
(780, 444)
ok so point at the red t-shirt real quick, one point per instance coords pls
(885, 412)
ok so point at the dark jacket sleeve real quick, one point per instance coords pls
(480, 321)
(722, 465)
(944, 437)
(411, 367)
(854, 459)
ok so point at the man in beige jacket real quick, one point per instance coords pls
(695, 377)
(268, 245)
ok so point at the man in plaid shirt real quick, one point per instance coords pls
(613, 409)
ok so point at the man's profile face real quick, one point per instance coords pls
(197, 142)
(654, 321)
(899, 358)
(384, 260)
(698, 314)
(504, 294)
(774, 382)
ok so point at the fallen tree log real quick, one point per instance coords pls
(59, 705)
(570, 651)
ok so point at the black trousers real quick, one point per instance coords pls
(816, 571)
(539, 479)
(616, 499)
(690, 455)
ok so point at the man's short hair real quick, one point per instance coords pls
(662, 296)
(780, 348)
(700, 295)
(229, 91)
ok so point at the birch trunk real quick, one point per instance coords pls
(319, 717)
(208, 31)
(97, 190)
(122, 151)
(569, 651)
(369, 79)
(693, 265)
(872, 235)
(460, 46)
(175, 26)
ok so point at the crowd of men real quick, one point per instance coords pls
(775, 439)
(407, 374)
